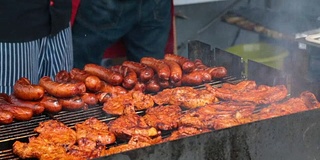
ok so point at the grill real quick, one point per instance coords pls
(257, 140)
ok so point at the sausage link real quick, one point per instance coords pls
(36, 106)
(93, 83)
(72, 104)
(51, 104)
(144, 72)
(23, 89)
(129, 76)
(160, 67)
(19, 113)
(6, 117)
(176, 70)
(90, 99)
(62, 76)
(217, 72)
(153, 86)
(186, 64)
(105, 74)
(62, 89)
(192, 79)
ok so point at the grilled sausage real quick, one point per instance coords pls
(186, 64)
(93, 83)
(19, 113)
(160, 67)
(6, 117)
(152, 85)
(105, 74)
(90, 99)
(72, 104)
(140, 87)
(144, 72)
(129, 76)
(217, 72)
(23, 89)
(176, 70)
(192, 79)
(36, 106)
(62, 89)
(62, 77)
(51, 104)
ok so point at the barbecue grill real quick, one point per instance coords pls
(288, 137)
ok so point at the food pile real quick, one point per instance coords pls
(96, 85)
(181, 111)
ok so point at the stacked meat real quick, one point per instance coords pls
(96, 85)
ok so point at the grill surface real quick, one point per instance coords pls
(22, 130)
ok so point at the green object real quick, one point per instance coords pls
(267, 54)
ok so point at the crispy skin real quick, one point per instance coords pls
(95, 130)
(217, 116)
(128, 125)
(247, 91)
(116, 105)
(185, 132)
(185, 96)
(163, 117)
(136, 141)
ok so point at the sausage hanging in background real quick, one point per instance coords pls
(23, 89)
(105, 74)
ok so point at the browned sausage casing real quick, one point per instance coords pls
(192, 79)
(72, 104)
(105, 74)
(90, 99)
(93, 83)
(186, 64)
(6, 117)
(36, 106)
(51, 104)
(176, 70)
(144, 72)
(23, 89)
(130, 77)
(217, 72)
(19, 113)
(160, 67)
(62, 89)
(62, 77)
(153, 85)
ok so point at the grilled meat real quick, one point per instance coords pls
(213, 115)
(185, 132)
(128, 125)
(306, 101)
(96, 131)
(116, 105)
(185, 96)
(163, 117)
(247, 91)
(136, 141)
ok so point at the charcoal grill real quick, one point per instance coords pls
(289, 137)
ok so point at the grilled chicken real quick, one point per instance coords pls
(128, 125)
(185, 132)
(187, 97)
(163, 117)
(116, 105)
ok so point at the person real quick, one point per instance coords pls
(35, 40)
(142, 26)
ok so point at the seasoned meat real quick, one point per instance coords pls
(96, 131)
(185, 132)
(163, 117)
(128, 125)
(116, 105)
(136, 141)
(213, 116)
(185, 96)
(247, 91)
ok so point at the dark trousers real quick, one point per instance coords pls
(143, 25)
